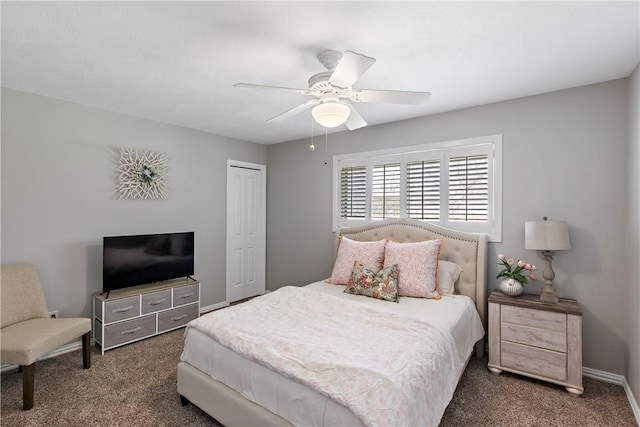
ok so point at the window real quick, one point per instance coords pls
(385, 191)
(469, 188)
(423, 190)
(456, 184)
(353, 186)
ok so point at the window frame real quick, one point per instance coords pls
(442, 151)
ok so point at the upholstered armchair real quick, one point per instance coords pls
(27, 332)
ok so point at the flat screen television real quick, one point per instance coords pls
(149, 258)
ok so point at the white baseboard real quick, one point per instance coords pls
(618, 380)
(68, 348)
(212, 307)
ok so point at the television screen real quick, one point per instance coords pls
(136, 260)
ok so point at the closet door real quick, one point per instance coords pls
(246, 230)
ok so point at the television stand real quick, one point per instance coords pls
(127, 315)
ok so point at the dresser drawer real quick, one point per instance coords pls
(177, 317)
(536, 361)
(129, 330)
(550, 340)
(120, 309)
(156, 301)
(185, 295)
(535, 318)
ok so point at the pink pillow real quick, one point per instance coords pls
(370, 254)
(417, 267)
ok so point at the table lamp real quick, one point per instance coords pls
(548, 237)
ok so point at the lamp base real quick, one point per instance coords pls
(548, 294)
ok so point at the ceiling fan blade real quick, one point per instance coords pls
(256, 86)
(295, 110)
(390, 96)
(355, 120)
(350, 68)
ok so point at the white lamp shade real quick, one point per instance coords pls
(546, 235)
(330, 114)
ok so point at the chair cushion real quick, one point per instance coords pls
(22, 296)
(25, 342)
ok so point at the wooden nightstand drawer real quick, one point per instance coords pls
(535, 337)
(120, 309)
(156, 301)
(545, 363)
(536, 318)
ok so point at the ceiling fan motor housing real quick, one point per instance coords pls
(330, 59)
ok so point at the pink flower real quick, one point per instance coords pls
(521, 263)
(510, 261)
(532, 276)
(501, 257)
(527, 266)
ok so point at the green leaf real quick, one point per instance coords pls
(520, 278)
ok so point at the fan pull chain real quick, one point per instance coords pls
(326, 143)
(312, 147)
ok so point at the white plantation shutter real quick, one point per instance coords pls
(353, 187)
(423, 190)
(469, 188)
(457, 184)
(385, 191)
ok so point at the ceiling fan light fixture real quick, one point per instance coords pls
(330, 114)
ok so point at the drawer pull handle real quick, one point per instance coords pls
(131, 331)
(156, 302)
(175, 319)
(122, 310)
(190, 294)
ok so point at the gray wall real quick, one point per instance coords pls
(633, 236)
(564, 157)
(58, 193)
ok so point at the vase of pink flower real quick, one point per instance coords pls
(514, 275)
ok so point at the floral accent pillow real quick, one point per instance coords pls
(371, 254)
(382, 285)
(417, 267)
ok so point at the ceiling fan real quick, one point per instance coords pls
(333, 91)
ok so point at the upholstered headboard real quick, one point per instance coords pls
(465, 249)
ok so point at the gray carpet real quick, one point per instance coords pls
(135, 385)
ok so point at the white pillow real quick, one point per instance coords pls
(448, 274)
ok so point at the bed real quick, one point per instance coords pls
(241, 383)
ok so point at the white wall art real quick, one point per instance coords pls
(142, 174)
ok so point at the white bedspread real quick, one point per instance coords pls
(372, 361)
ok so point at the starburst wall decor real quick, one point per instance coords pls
(142, 174)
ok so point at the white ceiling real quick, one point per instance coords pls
(176, 62)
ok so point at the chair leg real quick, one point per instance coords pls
(86, 350)
(28, 386)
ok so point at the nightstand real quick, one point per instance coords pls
(535, 338)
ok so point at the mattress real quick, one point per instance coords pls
(295, 402)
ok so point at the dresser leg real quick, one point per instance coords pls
(574, 391)
(495, 371)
